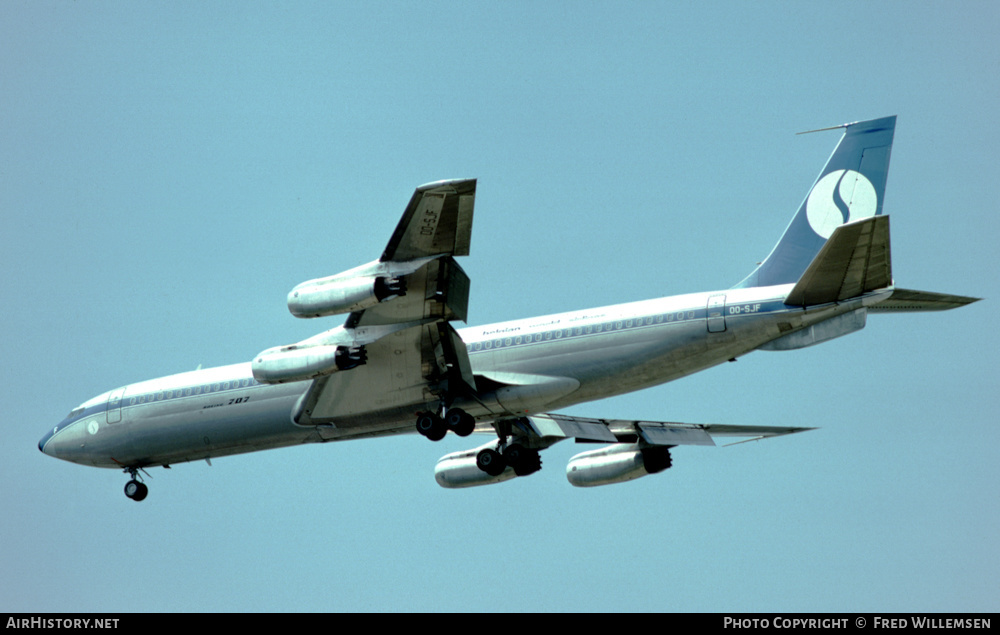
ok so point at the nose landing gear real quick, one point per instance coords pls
(135, 489)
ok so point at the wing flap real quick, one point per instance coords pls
(571, 427)
(672, 434)
(664, 433)
(392, 378)
(438, 290)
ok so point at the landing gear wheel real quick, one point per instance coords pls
(491, 462)
(523, 460)
(136, 490)
(431, 426)
(460, 422)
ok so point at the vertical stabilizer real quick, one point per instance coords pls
(850, 188)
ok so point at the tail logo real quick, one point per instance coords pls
(840, 197)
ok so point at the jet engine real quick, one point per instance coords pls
(616, 464)
(283, 364)
(330, 296)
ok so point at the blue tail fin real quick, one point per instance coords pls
(850, 187)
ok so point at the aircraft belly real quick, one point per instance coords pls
(607, 364)
(623, 362)
(600, 365)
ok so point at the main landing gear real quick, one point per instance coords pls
(524, 460)
(434, 427)
(135, 489)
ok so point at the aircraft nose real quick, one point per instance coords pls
(62, 441)
(44, 444)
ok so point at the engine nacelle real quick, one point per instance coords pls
(330, 296)
(459, 469)
(616, 464)
(284, 364)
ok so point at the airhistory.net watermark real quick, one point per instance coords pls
(61, 622)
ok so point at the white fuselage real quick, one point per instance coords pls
(588, 355)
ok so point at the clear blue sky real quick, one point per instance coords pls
(169, 170)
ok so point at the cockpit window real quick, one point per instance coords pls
(75, 412)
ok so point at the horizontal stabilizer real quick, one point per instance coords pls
(907, 300)
(665, 433)
(854, 261)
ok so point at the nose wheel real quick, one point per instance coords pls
(135, 489)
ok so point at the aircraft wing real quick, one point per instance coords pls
(633, 448)
(438, 220)
(652, 432)
(412, 351)
(436, 226)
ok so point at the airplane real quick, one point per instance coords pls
(398, 364)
